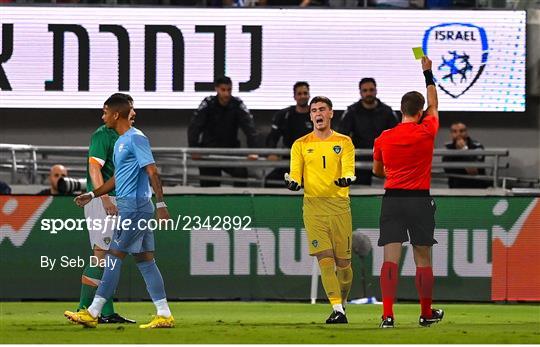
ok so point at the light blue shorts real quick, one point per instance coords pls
(136, 238)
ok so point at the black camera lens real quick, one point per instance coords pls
(69, 185)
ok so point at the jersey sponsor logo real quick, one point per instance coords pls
(337, 149)
(310, 150)
(459, 52)
(19, 214)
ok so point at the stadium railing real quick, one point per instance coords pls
(178, 165)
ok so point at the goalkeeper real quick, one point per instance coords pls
(324, 161)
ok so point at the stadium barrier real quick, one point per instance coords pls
(487, 250)
(179, 167)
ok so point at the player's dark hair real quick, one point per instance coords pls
(120, 104)
(223, 80)
(412, 103)
(126, 96)
(321, 99)
(367, 80)
(300, 84)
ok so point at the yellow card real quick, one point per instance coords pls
(418, 52)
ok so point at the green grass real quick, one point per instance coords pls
(255, 322)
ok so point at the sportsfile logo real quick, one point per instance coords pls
(19, 214)
(459, 52)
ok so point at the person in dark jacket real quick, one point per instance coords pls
(462, 141)
(364, 121)
(215, 124)
(289, 124)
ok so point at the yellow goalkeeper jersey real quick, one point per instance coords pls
(317, 164)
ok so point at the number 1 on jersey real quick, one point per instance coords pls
(324, 162)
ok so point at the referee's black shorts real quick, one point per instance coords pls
(411, 211)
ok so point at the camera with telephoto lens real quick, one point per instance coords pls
(70, 185)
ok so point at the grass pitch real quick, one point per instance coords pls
(255, 322)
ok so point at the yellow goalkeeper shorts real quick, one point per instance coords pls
(330, 232)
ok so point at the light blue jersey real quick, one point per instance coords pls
(131, 154)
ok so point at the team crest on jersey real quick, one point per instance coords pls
(315, 243)
(337, 149)
(107, 240)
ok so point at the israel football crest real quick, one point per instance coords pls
(337, 149)
(459, 52)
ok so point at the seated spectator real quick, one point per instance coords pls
(462, 141)
(56, 172)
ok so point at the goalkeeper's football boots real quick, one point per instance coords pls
(337, 317)
(82, 317)
(115, 318)
(159, 322)
(387, 322)
(436, 316)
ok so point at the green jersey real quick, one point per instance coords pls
(101, 149)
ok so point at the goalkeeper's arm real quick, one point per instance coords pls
(347, 165)
(345, 181)
(291, 184)
(294, 178)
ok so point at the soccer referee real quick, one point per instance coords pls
(323, 161)
(403, 155)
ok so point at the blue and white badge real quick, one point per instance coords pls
(459, 52)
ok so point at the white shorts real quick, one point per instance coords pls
(95, 214)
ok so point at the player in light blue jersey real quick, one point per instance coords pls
(135, 171)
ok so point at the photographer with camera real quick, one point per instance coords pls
(57, 171)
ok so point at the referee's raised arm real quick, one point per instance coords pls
(432, 100)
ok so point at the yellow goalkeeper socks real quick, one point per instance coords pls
(344, 276)
(330, 281)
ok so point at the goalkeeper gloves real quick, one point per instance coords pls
(344, 181)
(291, 184)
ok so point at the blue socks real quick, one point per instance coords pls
(111, 277)
(152, 278)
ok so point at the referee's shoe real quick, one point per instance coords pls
(436, 316)
(386, 322)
